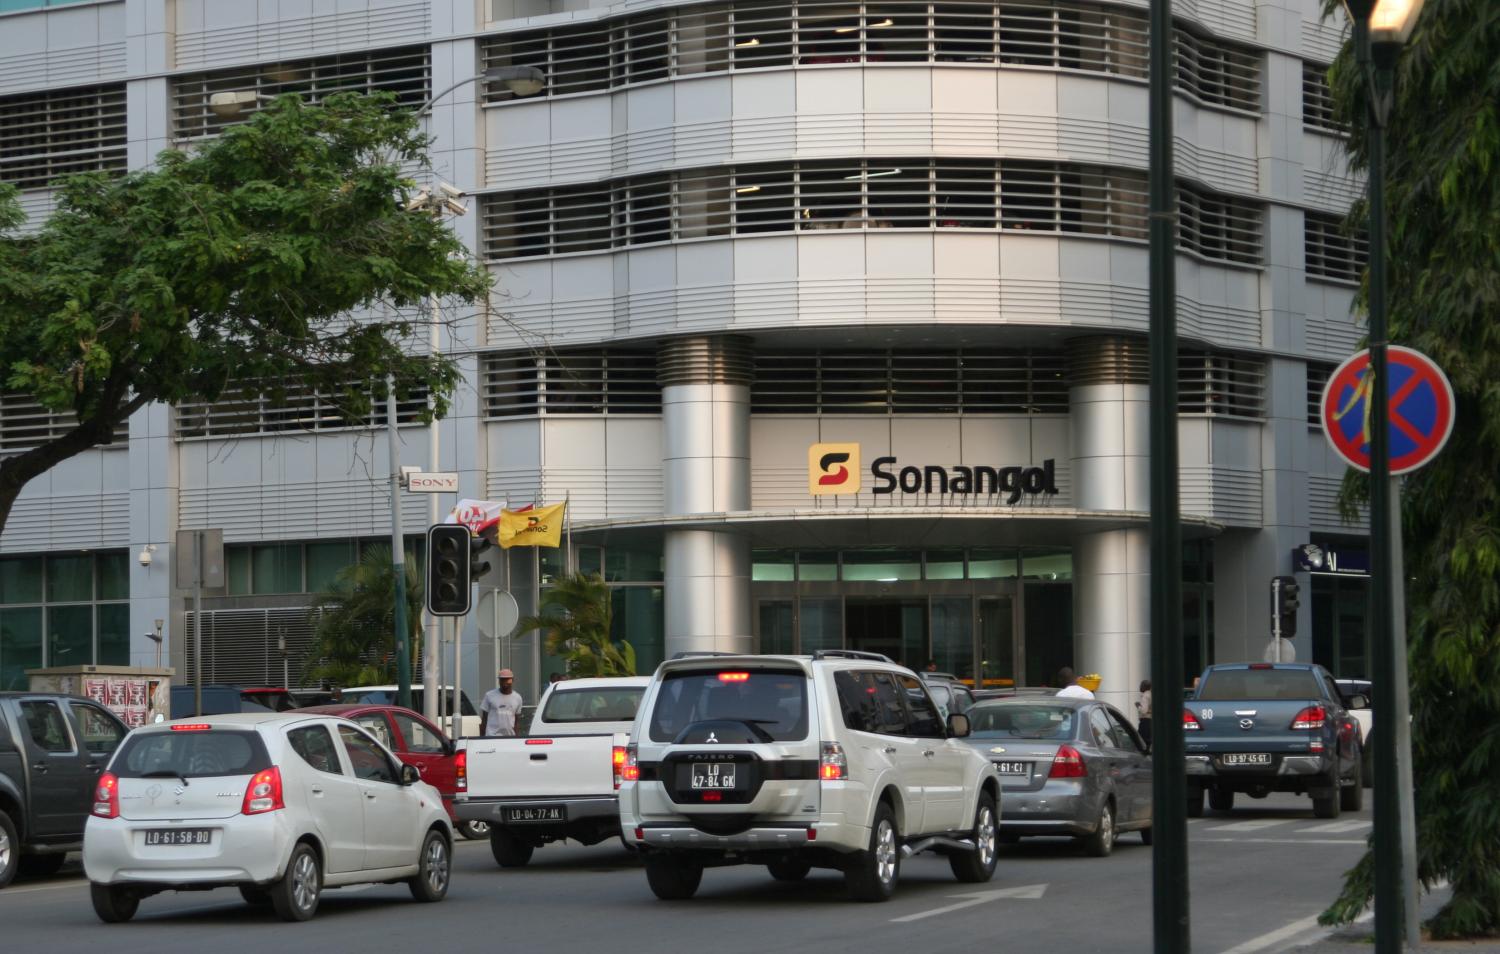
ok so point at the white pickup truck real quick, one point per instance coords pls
(559, 781)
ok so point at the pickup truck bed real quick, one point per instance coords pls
(1257, 728)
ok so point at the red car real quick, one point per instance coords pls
(416, 742)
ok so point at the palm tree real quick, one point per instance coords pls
(353, 639)
(575, 617)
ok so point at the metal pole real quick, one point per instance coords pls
(197, 622)
(458, 675)
(398, 551)
(1169, 881)
(1403, 729)
(431, 652)
(1383, 671)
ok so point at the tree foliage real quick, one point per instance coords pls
(278, 253)
(575, 619)
(1444, 252)
(354, 637)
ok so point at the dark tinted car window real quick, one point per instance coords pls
(101, 731)
(49, 731)
(1022, 720)
(314, 745)
(592, 705)
(924, 720)
(196, 753)
(370, 763)
(1290, 684)
(1124, 733)
(772, 702)
(870, 702)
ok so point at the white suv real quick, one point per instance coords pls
(837, 760)
(278, 805)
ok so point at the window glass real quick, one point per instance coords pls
(206, 754)
(992, 565)
(638, 614)
(420, 737)
(632, 565)
(276, 568)
(590, 560)
(818, 566)
(325, 560)
(1124, 733)
(772, 565)
(375, 724)
(315, 746)
(21, 580)
(772, 702)
(237, 567)
(70, 635)
(1226, 684)
(101, 731)
(925, 720)
(820, 624)
(882, 565)
(114, 634)
(963, 699)
(114, 576)
(1006, 720)
(592, 705)
(44, 721)
(1100, 729)
(70, 579)
(945, 565)
(20, 646)
(942, 697)
(370, 763)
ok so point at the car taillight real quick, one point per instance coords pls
(263, 794)
(1190, 721)
(107, 796)
(617, 760)
(1067, 763)
(833, 766)
(461, 771)
(1312, 717)
(192, 727)
(630, 769)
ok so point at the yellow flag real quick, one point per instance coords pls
(539, 527)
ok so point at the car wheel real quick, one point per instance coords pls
(42, 866)
(509, 851)
(978, 866)
(113, 904)
(1352, 796)
(10, 850)
(1102, 841)
(255, 897)
(1195, 801)
(434, 866)
(474, 830)
(789, 869)
(295, 896)
(673, 879)
(1221, 799)
(1327, 806)
(874, 873)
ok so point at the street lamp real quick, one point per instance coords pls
(1381, 27)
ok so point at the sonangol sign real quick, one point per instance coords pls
(1421, 409)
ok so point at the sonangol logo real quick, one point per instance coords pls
(833, 469)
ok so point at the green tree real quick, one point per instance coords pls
(1444, 254)
(353, 637)
(575, 619)
(278, 253)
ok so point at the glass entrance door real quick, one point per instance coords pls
(892, 627)
(995, 642)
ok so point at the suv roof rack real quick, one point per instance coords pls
(691, 653)
(851, 654)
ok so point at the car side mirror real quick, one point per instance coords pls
(958, 725)
(410, 775)
(1357, 701)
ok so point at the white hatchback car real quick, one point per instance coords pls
(280, 805)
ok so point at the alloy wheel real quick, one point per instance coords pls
(5, 850)
(885, 852)
(305, 882)
(437, 865)
(986, 836)
(1107, 828)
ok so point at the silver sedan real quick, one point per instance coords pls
(1067, 767)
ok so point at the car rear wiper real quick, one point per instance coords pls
(165, 773)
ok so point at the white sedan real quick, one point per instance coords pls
(279, 805)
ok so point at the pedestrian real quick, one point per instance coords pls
(555, 678)
(501, 708)
(1070, 687)
(931, 665)
(1143, 712)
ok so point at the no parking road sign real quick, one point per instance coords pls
(1421, 409)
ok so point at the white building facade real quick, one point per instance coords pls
(725, 235)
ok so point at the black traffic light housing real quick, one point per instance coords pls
(1284, 603)
(449, 553)
(481, 552)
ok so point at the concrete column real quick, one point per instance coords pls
(706, 470)
(1110, 454)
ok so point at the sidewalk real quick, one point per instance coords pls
(1359, 936)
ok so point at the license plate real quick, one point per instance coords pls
(555, 813)
(1246, 758)
(1013, 768)
(713, 776)
(179, 836)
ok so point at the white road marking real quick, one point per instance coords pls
(1339, 826)
(12, 892)
(1256, 825)
(1030, 892)
(1281, 841)
(1286, 932)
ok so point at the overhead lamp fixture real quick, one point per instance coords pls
(753, 41)
(1391, 21)
(873, 175)
(746, 190)
(231, 103)
(519, 80)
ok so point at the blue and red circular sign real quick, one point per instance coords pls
(1421, 409)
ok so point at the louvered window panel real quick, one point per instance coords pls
(250, 409)
(240, 646)
(405, 71)
(25, 424)
(1317, 99)
(1220, 227)
(1331, 252)
(45, 136)
(1220, 384)
(968, 381)
(836, 194)
(1318, 373)
(710, 38)
(580, 381)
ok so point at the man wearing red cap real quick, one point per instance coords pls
(501, 707)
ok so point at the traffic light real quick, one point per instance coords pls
(481, 551)
(448, 558)
(1284, 603)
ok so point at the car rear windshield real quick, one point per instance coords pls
(1022, 721)
(772, 702)
(1292, 684)
(198, 753)
(593, 705)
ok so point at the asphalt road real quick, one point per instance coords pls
(1258, 877)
